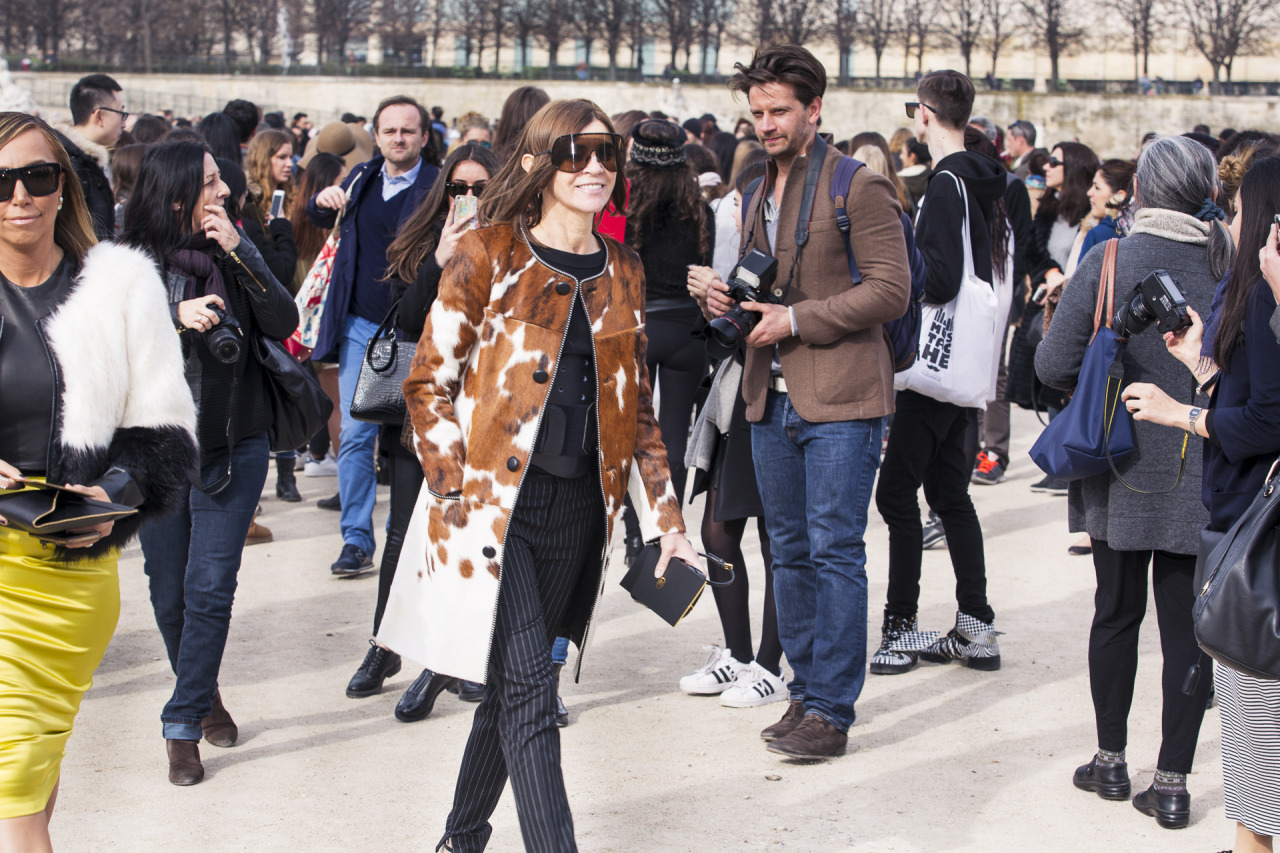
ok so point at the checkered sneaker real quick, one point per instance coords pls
(900, 644)
(971, 642)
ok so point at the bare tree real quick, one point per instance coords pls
(1053, 23)
(674, 19)
(524, 16)
(880, 26)
(398, 26)
(710, 20)
(999, 29)
(799, 21)
(961, 23)
(586, 21)
(335, 21)
(760, 19)
(1224, 29)
(1146, 21)
(843, 26)
(258, 23)
(553, 29)
(919, 22)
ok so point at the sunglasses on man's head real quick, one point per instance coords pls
(457, 188)
(40, 179)
(572, 152)
(912, 106)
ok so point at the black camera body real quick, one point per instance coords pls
(1157, 299)
(223, 339)
(751, 281)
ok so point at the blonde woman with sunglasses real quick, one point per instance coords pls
(532, 417)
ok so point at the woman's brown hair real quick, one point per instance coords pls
(514, 195)
(73, 229)
(257, 168)
(876, 141)
(421, 231)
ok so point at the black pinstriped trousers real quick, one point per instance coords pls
(556, 529)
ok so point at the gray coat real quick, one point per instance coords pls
(1101, 505)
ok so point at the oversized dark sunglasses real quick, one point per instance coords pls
(912, 106)
(457, 188)
(40, 179)
(1053, 161)
(572, 152)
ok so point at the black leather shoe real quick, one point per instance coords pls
(470, 691)
(562, 713)
(634, 546)
(352, 561)
(1109, 781)
(420, 698)
(334, 503)
(1172, 811)
(379, 665)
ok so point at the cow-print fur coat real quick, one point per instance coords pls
(475, 394)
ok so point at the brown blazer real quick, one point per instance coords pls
(840, 366)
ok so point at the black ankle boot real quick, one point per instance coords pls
(1172, 809)
(634, 545)
(562, 713)
(286, 483)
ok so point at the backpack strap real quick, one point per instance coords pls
(846, 168)
(747, 195)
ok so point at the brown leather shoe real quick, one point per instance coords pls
(184, 762)
(219, 729)
(813, 739)
(258, 534)
(791, 719)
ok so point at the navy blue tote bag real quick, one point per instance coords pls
(1094, 430)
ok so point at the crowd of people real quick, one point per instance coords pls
(555, 266)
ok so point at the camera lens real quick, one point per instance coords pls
(724, 333)
(224, 344)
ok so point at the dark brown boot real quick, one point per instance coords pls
(184, 762)
(219, 729)
(791, 719)
(812, 740)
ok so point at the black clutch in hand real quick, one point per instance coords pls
(674, 594)
(49, 512)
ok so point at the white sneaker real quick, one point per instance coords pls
(714, 676)
(326, 467)
(754, 686)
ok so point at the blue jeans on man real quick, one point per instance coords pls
(192, 559)
(816, 481)
(357, 476)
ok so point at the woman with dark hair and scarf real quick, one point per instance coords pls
(217, 280)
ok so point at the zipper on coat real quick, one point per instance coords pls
(236, 258)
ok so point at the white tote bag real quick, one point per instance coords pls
(959, 341)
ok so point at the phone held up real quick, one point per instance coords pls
(277, 203)
(464, 206)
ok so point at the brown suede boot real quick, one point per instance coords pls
(258, 534)
(184, 762)
(812, 740)
(791, 719)
(219, 729)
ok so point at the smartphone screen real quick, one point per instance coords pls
(277, 203)
(464, 206)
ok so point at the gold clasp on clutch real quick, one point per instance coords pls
(662, 582)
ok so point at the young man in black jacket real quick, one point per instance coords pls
(98, 116)
(927, 443)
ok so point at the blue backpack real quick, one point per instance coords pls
(903, 333)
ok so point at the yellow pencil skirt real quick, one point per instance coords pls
(56, 620)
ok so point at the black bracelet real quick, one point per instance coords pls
(1207, 385)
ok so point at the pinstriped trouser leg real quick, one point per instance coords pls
(555, 529)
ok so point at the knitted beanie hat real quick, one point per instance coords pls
(657, 144)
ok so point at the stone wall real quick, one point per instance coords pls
(1112, 124)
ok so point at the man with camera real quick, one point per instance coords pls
(817, 382)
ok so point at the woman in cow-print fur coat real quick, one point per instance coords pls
(532, 417)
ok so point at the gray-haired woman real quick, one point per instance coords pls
(1176, 229)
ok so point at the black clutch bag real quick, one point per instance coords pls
(48, 512)
(379, 392)
(674, 594)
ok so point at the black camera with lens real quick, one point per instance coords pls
(223, 339)
(751, 281)
(1157, 299)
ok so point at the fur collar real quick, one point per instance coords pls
(1171, 225)
(100, 154)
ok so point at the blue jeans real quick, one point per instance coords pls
(192, 558)
(560, 650)
(815, 482)
(357, 478)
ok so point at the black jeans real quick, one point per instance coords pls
(927, 447)
(556, 530)
(1118, 608)
(406, 482)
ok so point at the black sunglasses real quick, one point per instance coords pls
(40, 179)
(912, 106)
(1053, 161)
(457, 188)
(572, 152)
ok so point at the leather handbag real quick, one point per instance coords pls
(673, 595)
(299, 406)
(1095, 428)
(379, 394)
(1237, 611)
(49, 512)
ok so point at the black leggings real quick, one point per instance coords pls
(678, 362)
(724, 539)
(406, 482)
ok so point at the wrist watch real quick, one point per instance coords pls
(1191, 418)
